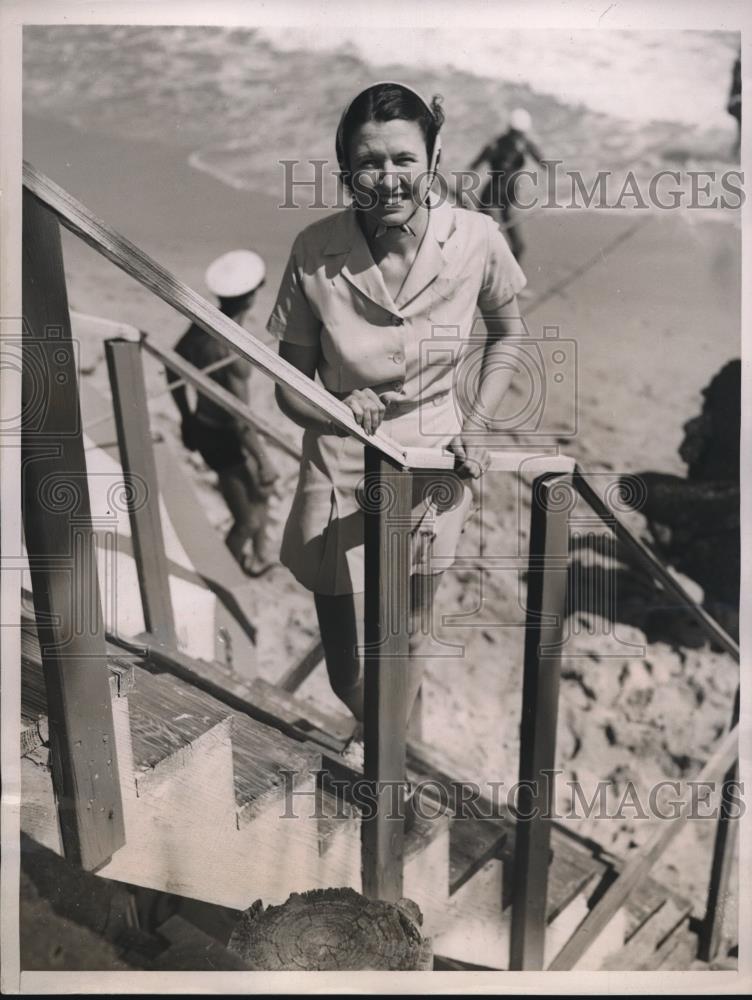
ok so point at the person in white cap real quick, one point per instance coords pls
(505, 158)
(230, 447)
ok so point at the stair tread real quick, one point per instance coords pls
(167, 714)
(331, 729)
(33, 690)
(472, 843)
(574, 864)
(648, 947)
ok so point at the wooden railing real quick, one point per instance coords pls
(388, 468)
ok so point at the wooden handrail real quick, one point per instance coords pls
(77, 218)
(381, 756)
(131, 259)
(653, 564)
(219, 395)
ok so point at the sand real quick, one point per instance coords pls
(651, 302)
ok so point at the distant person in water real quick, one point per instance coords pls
(695, 520)
(505, 158)
(734, 106)
(230, 446)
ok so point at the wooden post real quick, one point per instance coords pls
(387, 506)
(546, 597)
(723, 853)
(137, 458)
(62, 558)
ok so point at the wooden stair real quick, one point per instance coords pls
(473, 931)
(207, 795)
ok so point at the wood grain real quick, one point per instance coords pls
(129, 258)
(62, 556)
(388, 501)
(226, 400)
(546, 607)
(642, 860)
(332, 930)
(139, 467)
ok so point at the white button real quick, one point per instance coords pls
(398, 358)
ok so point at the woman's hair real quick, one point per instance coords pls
(383, 102)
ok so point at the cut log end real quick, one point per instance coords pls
(332, 930)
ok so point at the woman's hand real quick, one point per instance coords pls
(474, 458)
(367, 409)
(474, 461)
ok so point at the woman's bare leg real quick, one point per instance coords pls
(341, 623)
(341, 627)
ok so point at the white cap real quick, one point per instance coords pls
(238, 272)
(521, 120)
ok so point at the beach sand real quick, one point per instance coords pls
(651, 302)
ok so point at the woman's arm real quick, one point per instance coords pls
(498, 365)
(367, 408)
(481, 401)
(305, 359)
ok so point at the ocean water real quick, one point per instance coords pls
(239, 101)
(643, 76)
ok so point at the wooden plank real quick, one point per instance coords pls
(642, 861)
(331, 731)
(192, 949)
(302, 670)
(519, 462)
(654, 566)
(472, 843)
(387, 508)
(727, 830)
(218, 570)
(62, 557)
(678, 953)
(572, 865)
(211, 679)
(643, 949)
(34, 733)
(168, 715)
(129, 258)
(139, 474)
(226, 400)
(34, 725)
(546, 597)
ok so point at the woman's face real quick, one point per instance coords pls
(389, 168)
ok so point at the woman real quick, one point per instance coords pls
(367, 301)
